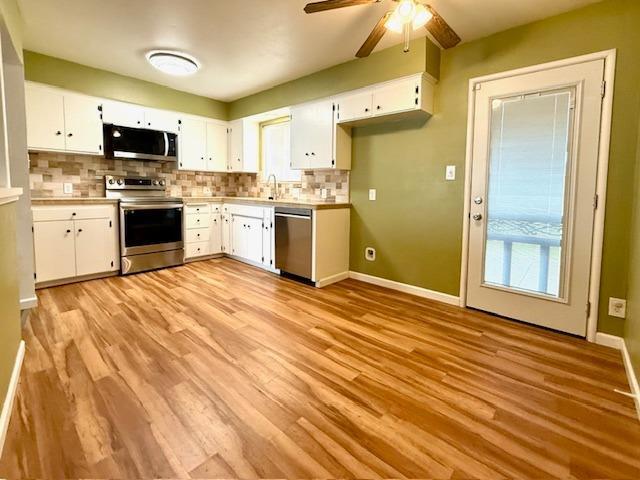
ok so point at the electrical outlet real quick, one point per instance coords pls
(617, 307)
(372, 194)
(67, 187)
(207, 191)
(324, 192)
(450, 173)
(370, 254)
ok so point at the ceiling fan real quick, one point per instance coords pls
(408, 15)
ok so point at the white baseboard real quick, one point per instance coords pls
(619, 344)
(406, 288)
(338, 277)
(7, 407)
(30, 302)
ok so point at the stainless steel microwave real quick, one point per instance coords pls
(139, 143)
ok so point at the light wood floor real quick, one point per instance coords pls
(217, 369)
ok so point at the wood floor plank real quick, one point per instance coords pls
(217, 369)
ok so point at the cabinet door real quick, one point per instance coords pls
(396, 97)
(45, 118)
(162, 120)
(355, 107)
(267, 238)
(94, 246)
(301, 135)
(83, 126)
(235, 146)
(217, 146)
(215, 235)
(193, 144)
(54, 250)
(238, 236)
(226, 234)
(322, 136)
(123, 114)
(253, 238)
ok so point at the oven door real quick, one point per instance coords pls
(152, 227)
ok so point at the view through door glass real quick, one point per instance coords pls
(530, 138)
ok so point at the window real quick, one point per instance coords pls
(276, 151)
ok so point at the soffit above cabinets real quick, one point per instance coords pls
(245, 46)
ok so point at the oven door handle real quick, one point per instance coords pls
(150, 206)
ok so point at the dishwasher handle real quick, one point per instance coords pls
(292, 215)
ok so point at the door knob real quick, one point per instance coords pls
(477, 216)
(477, 200)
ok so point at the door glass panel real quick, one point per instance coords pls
(527, 203)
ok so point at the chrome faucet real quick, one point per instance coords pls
(274, 191)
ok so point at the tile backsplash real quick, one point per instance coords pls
(50, 171)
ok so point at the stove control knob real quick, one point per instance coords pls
(162, 183)
(111, 181)
(120, 181)
(155, 182)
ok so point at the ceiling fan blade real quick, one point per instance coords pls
(374, 37)
(441, 30)
(333, 4)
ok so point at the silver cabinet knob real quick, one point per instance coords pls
(477, 216)
(477, 200)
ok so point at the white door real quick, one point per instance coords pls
(322, 136)
(122, 114)
(94, 246)
(236, 132)
(355, 107)
(45, 118)
(301, 133)
(83, 126)
(253, 246)
(162, 120)
(238, 236)
(193, 144)
(54, 250)
(215, 235)
(226, 233)
(398, 96)
(533, 184)
(217, 146)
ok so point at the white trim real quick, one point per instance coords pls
(406, 288)
(619, 344)
(338, 277)
(609, 57)
(30, 302)
(7, 407)
(8, 195)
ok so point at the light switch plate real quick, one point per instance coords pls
(67, 187)
(617, 307)
(207, 191)
(450, 173)
(324, 193)
(372, 194)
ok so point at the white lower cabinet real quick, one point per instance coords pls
(226, 233)
(197, 231)
(74, 241)
(246, 237)
(215, 233)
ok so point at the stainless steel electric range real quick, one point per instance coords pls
(150, 223)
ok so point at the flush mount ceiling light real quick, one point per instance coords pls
(407, 15)
(173, 63)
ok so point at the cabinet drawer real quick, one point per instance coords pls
(197, 220)
(197, 249)
(198, 235)
(48, 213)
(197, 208)
(216, 208)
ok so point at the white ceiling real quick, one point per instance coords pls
(244, 45)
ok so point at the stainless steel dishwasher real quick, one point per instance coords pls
(294, 240)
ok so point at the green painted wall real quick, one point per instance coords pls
(9, 297)
(416, 223)
(92, 81)
(632, 324)
(381, 66)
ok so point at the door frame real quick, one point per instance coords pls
(609, 57)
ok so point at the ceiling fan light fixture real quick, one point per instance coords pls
(421, 17)
(406, 10)
(395, 23)
(173, 63)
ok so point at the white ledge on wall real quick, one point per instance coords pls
(8, 195)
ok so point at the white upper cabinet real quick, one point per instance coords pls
(83, 127)
(235, 146)
(316, 140)
(123, 114)
(244, 140)
(162, 120)
(217, 147)
(394, 100)
(45, 118)
(62, 121)
(193, 144)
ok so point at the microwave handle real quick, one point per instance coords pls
(166, 144)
